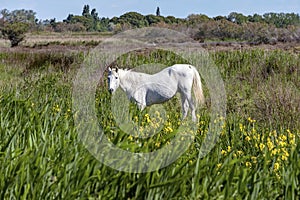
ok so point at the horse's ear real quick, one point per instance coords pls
(117, 69)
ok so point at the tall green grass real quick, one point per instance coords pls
(256, 157)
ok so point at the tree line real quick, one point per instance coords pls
(266, 28)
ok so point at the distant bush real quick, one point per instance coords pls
(15, 32)
(74, 27)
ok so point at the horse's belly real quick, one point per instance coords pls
(156, 97)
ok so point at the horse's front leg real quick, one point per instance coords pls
(139, 98)
(141, 106)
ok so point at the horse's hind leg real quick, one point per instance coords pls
(193, 110)
(184, 106)
(191, 105)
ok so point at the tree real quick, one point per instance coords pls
(219, 17)
(255, 18)
(90, 21)
(104, 24)
(282, 20)
(195, 19)
(157, 11)
(87, 22)
(171, 19)
(136, 20)
(152, 19)
(26, 16)
(86, 11)
(53, 23)
(237, 18)
(4, 14)
(16, 23)
(96, 20)
(69, 18)
(15, 32)
(94, 14)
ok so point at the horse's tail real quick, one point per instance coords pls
(197, 88)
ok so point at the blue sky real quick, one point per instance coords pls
(60, 9)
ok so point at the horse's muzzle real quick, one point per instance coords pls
(111, 90)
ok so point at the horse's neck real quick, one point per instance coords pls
(129, 80)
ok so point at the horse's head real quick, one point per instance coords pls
(113, 80)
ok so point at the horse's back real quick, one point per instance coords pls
(181, 66)
(181, 71)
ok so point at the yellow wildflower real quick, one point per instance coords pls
(284, 151)
(130, 137)
(292, 141)
(168, 129)
(273, 152)
(239, 153)
(283, 137)
(247, 138)
(223, 152)
(157, 144)
(228, 148)
(219, 165)
(276, 166)
(241, 127)
(56, 108)
(251, 120)
(282, 144)
(274, 133)
(254, 159)
(270, 144)
(278, 176)
(284, 157)
(248, 164)
(291, 137)
(148, 120)
(261, 146)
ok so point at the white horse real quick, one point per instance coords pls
(145, 89)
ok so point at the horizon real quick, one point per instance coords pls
(176, 8)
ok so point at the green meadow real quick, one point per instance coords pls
(256, 156)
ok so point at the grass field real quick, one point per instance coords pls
(256, 157)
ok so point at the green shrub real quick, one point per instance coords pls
(15, 32)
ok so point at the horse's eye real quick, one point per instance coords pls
(117, 77)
